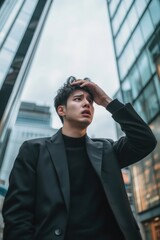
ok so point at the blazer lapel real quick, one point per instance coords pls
(58, 156)
(94, 150)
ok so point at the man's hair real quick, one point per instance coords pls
(66, 90)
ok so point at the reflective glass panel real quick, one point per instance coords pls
(29, 6)
(113, 5)
(127, 92)
(146, 25)
(127, 4)
(119, 16)
(151, 99)
(8, 23)
(135, 81)
(137, 40)
(140, 107)
(122, 37)
(140, 6)
(5, 60)
(154, 8)
(144, 68)
(157, 84)
(126, 60)
(132, 17)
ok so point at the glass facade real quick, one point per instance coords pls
(21, 23)
(136, 38)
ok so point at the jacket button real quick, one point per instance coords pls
(57, 232)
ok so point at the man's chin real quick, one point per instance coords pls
(85, 123)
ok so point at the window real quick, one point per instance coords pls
(127, 4)
(122, 37)
(113, 5)
(132, 18)
(127, 92)
(20, 26)
(137, 40)
(5, 60)
(140, 6)
(122, 66)
(141, 107)
(9, 21)
(144, 68)
(118, 18)
(11, 44)
(154, 8)
(146, 25)
(157, 84)
(135, 81)
(29, 6)
(151, 99)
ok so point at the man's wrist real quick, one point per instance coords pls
(114, 106)
(107, 101)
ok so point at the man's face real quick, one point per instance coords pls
(79, 109)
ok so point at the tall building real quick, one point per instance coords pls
(21, 23)
(33, 121)
(135, 27)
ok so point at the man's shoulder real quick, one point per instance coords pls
(107, 140)
(37, 140)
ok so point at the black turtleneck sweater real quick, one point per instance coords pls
(90, 216)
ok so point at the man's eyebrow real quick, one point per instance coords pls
(78, 95)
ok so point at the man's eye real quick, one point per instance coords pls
(77, 99)
(90, 101)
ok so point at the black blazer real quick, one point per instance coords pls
(36, 206)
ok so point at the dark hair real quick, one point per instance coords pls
(65, 91)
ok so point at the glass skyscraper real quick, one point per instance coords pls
(135, 27)
(21, 23)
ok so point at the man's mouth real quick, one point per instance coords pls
(86, 112)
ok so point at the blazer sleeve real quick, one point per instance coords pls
(138, 141)
(18, 208)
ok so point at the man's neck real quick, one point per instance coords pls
(73, 132)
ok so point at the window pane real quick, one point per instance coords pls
(122, 37)
(135, 81)
(127, 92)
(127, 4)
(157, 84)
(119, 17)
(141, 107)
(126, 60)
(144, 68)
(146, 26)
(29, 6)
(20, 26)
(11, 44)
(10, 20)
(122, 66)
(5, 60)
(154, 8)
(137, 40)
(156, 153)
(113, 6)
(132, 18)
(151, 100)
(140, 6)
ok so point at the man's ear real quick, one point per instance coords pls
(61, 110)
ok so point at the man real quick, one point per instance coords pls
(69, 186)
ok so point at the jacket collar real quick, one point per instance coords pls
(58, 156)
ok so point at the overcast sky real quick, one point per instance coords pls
(76, 41)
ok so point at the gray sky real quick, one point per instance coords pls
(76, 41)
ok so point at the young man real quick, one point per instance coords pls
(69, 186)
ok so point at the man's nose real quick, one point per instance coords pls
(86, 103)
